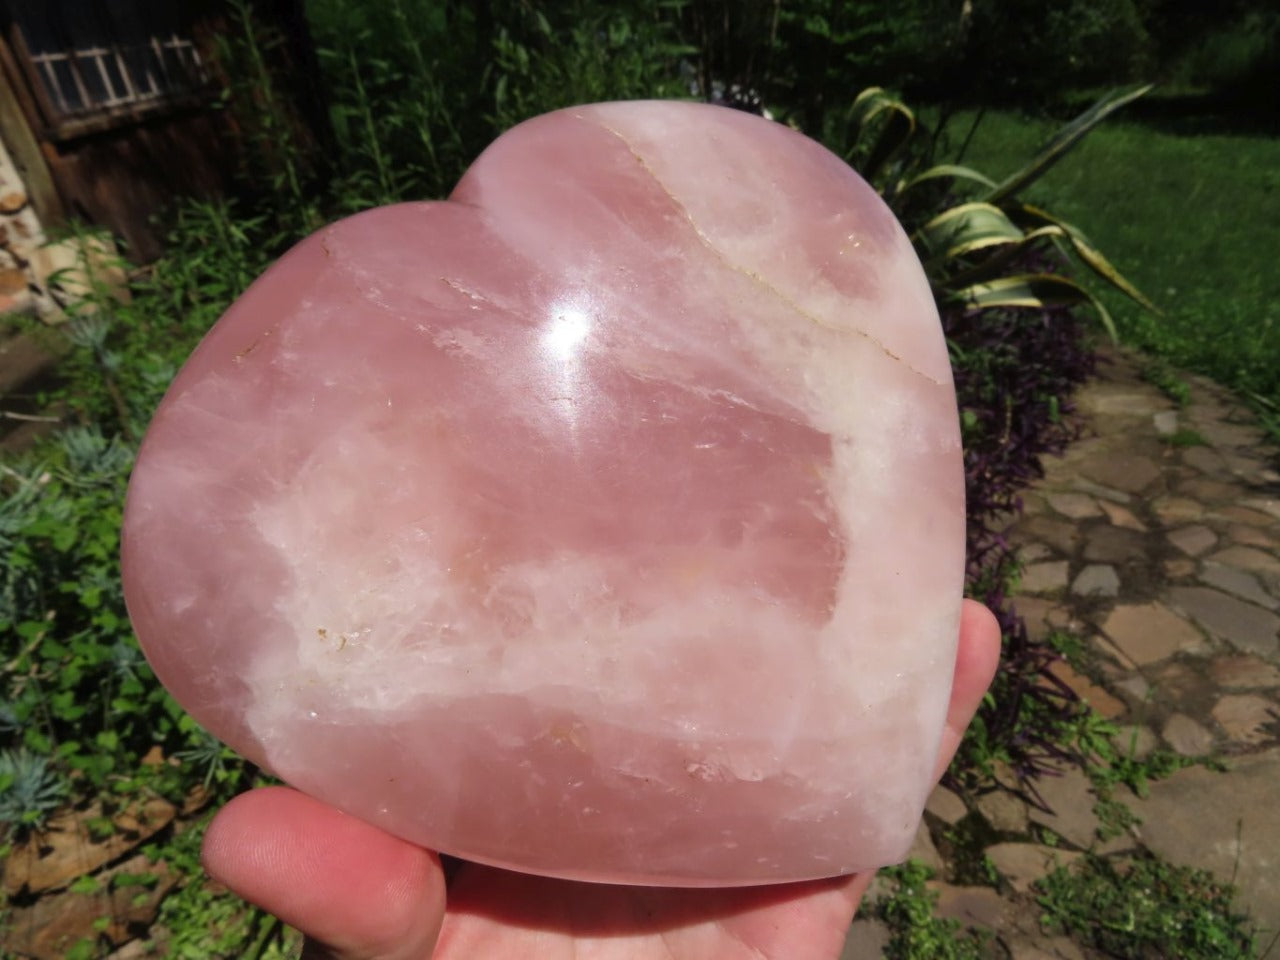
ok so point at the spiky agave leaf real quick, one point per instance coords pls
(1038, 290)
(967, 228)
(882, 126)
(967, 247)
(1086, 251)
(954, 171)
(1062, 142)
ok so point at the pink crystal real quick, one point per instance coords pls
(603, 522)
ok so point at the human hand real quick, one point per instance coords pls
(361, 894)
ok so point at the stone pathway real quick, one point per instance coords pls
(1156, 541)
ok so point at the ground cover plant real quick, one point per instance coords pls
(80, 711)
(907, 908)
(1145, 908)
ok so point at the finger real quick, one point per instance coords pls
(356, 892)
(977, 656)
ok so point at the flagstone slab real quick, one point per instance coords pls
(1096, 580)
(1033, 552)
(1165, 422)
(1193, 540)
(1041, 615)
(1150, 632)
(1244, 672)
(1182, 680)
(1222, 434)
(1098, 697)
(1005, 812)
(1245, 515)
(868, 939)
(1247, 536)
(1059, 534)
(1122, 400)
(947, 806)
(1240, 583)
(1172, 510)
(1045, 577)
(924, 850)
(1178, 568)
(975, 906)
(1070, 797)
(1076, 506)
(1227, 823)
(1208, 491)
(1248, 558)
(67, 849)
(1107, 544)
(1268, 505)
(1204, 459)
(1122, 516)
(1186, 736)
(1128, 472)
(1247, 719)
(1245, 626)
(1098, 490)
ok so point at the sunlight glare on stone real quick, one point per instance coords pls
(566, 332)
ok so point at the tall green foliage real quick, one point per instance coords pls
(417, 89)
(1026, 51)
(74, 688)
(593, 54)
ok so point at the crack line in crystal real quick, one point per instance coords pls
(257, 341)
(466, 292)
(750, 274)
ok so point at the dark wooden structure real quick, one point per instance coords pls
(109, 108)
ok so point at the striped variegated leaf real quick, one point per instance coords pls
(1087, 252)
(995, 264)
(1033, 290)
(882, 126)
(1062, 142)
(968, 227)
(951, 170)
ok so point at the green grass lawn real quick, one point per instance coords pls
(1192, 219)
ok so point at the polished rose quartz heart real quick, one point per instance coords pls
(603, 522)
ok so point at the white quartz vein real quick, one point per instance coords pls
(751, 275)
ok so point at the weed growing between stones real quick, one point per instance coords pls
(1161, 375)
(963, 845)
(1142, 907)
(916, 934)
(1185, 437)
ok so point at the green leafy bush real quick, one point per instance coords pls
(596, 54)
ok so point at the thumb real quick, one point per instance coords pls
(356, 892)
